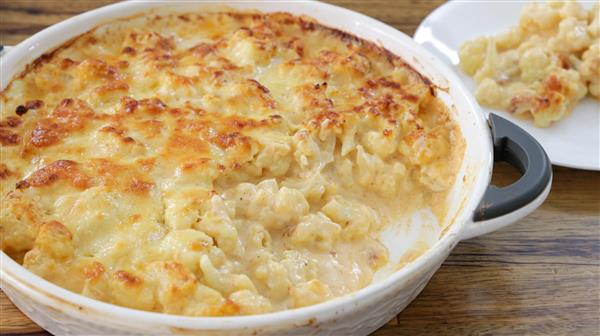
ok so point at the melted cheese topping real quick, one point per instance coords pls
(217, 164)
(541, 68)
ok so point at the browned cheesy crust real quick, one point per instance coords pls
(216, 164)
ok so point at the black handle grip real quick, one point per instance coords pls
(516, 147)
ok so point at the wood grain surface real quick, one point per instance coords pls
(540, 276)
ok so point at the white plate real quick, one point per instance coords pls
(573, 141)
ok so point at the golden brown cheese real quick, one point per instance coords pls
(217, 164)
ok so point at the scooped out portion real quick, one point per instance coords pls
(542, 67)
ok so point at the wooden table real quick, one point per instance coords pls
(540, 276)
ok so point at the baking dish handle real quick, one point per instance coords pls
(502, 206)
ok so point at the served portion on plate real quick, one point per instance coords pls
(534, 63)
(221, 163)
(540, 68)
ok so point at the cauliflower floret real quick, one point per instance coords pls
(309, 293)
(356, 219)
(472, 54)
(268, 204)
(538, 17)
(594, 19)
(250, 302)
(19, 222)
(490, 93)
(572, 36)
(274, 275)
(590, 69)
(533, 64)
(224, 281)
(316, 230)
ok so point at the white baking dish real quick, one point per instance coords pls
(63, 312)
